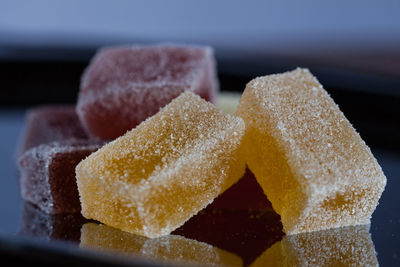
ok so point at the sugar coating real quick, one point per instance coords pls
(155, 177)
(46, 124)
(311, 163)
(228, 101)
(125, 85)
(52, 145)
(348, 246)
(47, 174)
(171, 249)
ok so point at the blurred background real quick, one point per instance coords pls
(353, 47)
(47, 43)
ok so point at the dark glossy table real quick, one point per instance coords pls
(29, 236)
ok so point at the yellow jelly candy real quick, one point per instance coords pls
(311, 163)
(155, 177)
(228, 101)
(171, 249)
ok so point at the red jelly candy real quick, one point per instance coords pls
(125, 85)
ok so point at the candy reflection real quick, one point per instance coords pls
(167, 249)
(244, 195)
(347, 246)
(244, 233)
(38, 224)
(241, 221)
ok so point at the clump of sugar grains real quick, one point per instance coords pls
(311, 163)
(125, 85)
(158, 175)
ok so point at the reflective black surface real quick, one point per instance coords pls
(27, 233)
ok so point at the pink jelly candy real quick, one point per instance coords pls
(124, 85)
(50, 123)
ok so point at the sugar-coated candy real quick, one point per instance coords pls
(171, 249)
(347, 246)
(47, 174)
(38, 224)
(52, 145)
(311, 163)
(46, 124)
(155, 177)
(124, 85)
(228, 101)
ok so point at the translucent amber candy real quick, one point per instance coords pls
(311, 163)
(228, 101)
(347, 246)
(170, 249)
(155, 177)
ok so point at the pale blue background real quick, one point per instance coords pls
(286, 27)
